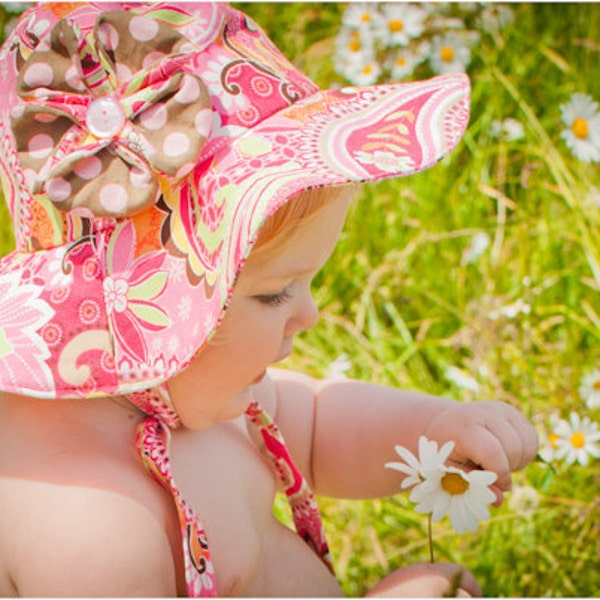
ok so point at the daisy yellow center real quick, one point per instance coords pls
(580, 128)
(366, 18)
(578, 440)
(354, 46)
(401, 61)
(447, 54)
(367, 69)
(454, 484)
(396, 25)
(553, 439)
(596, 385)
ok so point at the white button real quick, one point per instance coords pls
(105, 117)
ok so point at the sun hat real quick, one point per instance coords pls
(142, 147)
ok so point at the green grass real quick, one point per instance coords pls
(398, 299)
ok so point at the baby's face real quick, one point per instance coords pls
(271, 303)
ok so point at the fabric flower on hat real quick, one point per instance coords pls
(106, 106)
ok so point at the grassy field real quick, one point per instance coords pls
(406, 301)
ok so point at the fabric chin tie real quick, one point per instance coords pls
(152, 443)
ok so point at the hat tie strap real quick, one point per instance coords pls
(152, 442)
(305, 511)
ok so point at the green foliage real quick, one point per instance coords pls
(400, 300)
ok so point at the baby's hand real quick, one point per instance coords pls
(489, 435)
(427, 580)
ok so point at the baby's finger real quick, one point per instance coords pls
(529, 441)
(488, 453)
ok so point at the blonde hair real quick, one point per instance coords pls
(306, 205)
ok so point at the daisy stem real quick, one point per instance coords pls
(429, 528)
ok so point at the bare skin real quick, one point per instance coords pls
(80, 517)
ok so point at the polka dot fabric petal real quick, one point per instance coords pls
(112, 105)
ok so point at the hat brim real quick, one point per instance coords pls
(354, 134)
(119, 331)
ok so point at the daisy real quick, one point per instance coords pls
(400, 23)
(549, 444)
(353, 49)
(509, 129)
(495, 17)
(464, 495)
(402, 63)
(478, 245)
(449, 54)
(430, 459)
(461, 379)
(577, 440)
(524, 499)
(361, 15)
(366, 73)
(339, 367)
(589, 389)
(580, 114)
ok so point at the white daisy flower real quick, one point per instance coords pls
(339, 367)
(509, 129)
(495, 17)
(478, 245)
(430, 459)
(580, 114)
(524, 499)
(361, 15)
(549, 445)
(366, 73)
(577, 440)
(400, 23)
(403, 62)
(589, 389)
(461, 379)
(449, 53)
(463, 495)
(353, 49)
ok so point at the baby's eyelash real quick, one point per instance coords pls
(274, 300)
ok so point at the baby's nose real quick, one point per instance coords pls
(305, 317)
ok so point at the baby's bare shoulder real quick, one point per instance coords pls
(66, 540)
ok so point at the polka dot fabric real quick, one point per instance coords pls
(142, 147)
(107, 111)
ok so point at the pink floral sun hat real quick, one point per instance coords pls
(142, 148)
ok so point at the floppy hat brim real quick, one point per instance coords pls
(354, 134)
(133, 337)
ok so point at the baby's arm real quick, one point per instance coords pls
(345, 431)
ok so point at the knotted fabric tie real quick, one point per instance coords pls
(152, 443)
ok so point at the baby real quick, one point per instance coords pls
(175, 185)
